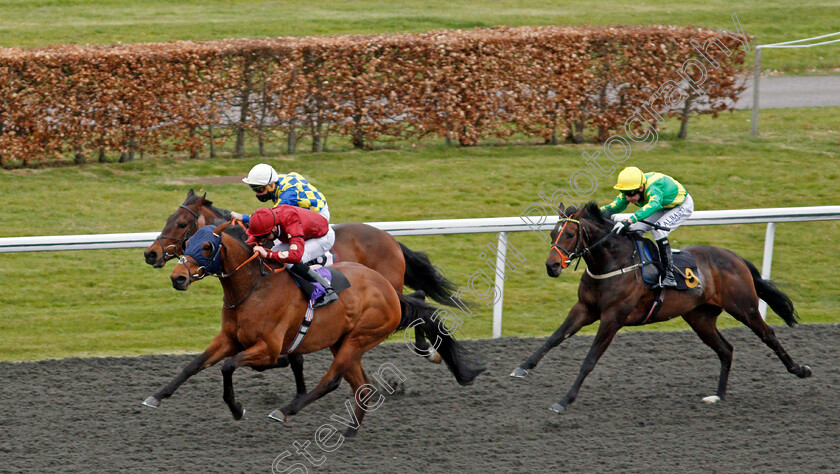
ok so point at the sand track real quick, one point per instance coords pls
(640, 410)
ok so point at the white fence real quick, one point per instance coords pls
(500, 225)
(800, 43)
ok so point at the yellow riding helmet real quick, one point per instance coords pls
(629, 179)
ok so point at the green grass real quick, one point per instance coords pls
(108, 302)
(27, 23)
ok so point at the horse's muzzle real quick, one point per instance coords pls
(553, 269)
(153, 259)
(180, 282)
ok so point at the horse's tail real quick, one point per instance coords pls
(421, 275)
(416, 312)
(774, 297)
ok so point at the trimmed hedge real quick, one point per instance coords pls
(549, 82)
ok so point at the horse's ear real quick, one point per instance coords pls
(221, 228)
(191, 193)
(561, 209)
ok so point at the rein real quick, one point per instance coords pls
(580, 239)
(265, 269)
(577, 253)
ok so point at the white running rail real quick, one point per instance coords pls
(500, 225)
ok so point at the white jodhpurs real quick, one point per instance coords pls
(312, 248)
(325, 213)
(671, 218)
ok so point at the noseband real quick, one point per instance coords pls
(187, 260)
(565, 255)
(179, 241)
(580, 240)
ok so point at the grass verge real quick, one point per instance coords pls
(108, 302)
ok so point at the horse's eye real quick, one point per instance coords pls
(207, 249)
(182, 225)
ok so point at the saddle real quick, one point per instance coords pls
(313, 291)
(685, 265)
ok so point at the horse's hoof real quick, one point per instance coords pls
(238, 412)
(152, 402)
(434, 356)
(712, 399)
(519, 372)
(557, 408)
(805, 372)
(277, 415)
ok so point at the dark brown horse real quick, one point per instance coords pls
(727, 283)
(354, 242)
(264, 310)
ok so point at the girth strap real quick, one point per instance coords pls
(656, 306)
(304, 328)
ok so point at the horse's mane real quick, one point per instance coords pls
(592, 212)
(237, 232)
(221, 213)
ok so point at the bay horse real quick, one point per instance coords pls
(354, 242)
(612, 291)
(260, 327)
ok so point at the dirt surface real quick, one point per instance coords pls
(639, 411)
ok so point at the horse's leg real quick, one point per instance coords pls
(420, 342)
(423, 346)
(606, 332)
(578, 317)
(219, 348)
(703, 321)
(356, 377)
(256, 355)
(296, 361)
(744, 308)
(344, 355)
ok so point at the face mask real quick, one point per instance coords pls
(264, 197)
(211, 264)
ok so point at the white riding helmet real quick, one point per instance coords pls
(261, 175)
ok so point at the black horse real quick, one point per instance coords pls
(617, 299)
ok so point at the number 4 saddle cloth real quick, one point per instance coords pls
(685, 271)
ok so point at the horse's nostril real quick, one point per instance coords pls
(179, 281)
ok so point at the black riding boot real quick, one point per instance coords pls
(303, 270)
(666, 280)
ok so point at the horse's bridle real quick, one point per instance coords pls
(565, 255)
(184, 259)
(180, 242)
(578, 252)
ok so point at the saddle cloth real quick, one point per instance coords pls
(313, 291)
(686, 274)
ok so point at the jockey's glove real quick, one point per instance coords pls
(621, 227)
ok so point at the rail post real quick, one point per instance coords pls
(501, 253)
(769, 236)
(756, 76)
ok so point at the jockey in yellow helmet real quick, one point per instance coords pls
(663, 200)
